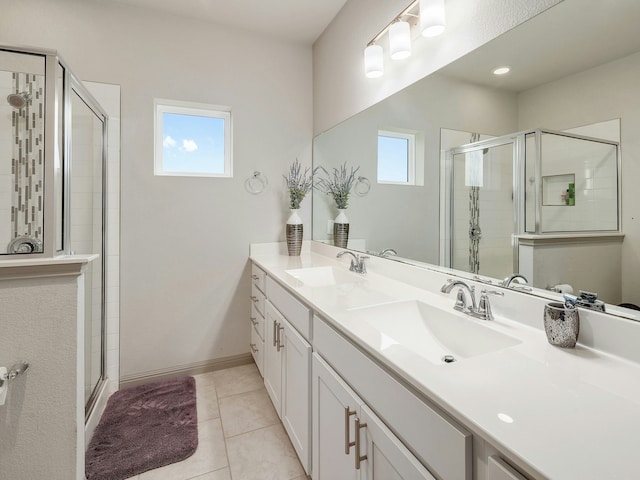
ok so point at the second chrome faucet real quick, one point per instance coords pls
(481, 309)
(357, 262)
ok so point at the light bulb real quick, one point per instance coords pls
(400, 40)
(373, 63)
(432, 17)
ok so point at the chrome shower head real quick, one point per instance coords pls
(19, 100)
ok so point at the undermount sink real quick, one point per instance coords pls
(430, 332)
(323, 276)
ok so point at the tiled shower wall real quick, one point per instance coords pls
(25, 179)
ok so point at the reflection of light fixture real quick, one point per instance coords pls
(432, 23)
(373, 62)
(501, 70)
(432, 20)
(400, 40)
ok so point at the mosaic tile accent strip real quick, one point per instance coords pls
(27, 163)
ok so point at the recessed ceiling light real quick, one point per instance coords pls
(501, 70)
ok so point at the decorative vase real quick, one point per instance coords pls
(341, 229)
(294, 233)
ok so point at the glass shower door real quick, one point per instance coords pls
(87, 229)
(482, 210)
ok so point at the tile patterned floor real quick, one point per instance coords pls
(239, 434)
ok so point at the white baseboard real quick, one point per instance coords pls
(190, 369)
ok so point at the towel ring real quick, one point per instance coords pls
(256, 183)
(362, 187)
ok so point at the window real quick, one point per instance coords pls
(396, 157)
(192, 139)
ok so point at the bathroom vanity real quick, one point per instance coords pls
(359, 370)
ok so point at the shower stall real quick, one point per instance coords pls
(511, 202)
(53, 182)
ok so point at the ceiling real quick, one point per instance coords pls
(570, 37)
(300, 21)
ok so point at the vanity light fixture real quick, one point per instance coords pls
(501, 70)
(373, 61)
(432, 23)
(400, 40)
(432, 17)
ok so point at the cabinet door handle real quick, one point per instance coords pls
(347, 443)
(280, 345)
(254, 299)
(255, 277)
(254, 321)
(275, 333)
(254, 349)
(359, 458)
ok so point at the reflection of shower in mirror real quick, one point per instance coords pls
(19, 100)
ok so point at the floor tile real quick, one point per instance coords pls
(264, 454)
(209, 456)
(206, 398)
(247, 411)
(222, 474)
(232, 381)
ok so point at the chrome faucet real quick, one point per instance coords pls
(461, 302)
(481, 310)
(511, 278)
(357, 262)
(387, 252)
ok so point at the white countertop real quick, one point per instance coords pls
(564, 413)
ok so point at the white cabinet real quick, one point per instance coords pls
(287, 370)
(349, 441)
(441, 444)
(334, 405)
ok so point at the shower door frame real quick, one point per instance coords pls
(73, 85)
(517, 141)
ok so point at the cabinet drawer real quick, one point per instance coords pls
(257, 321)
(257, 299)
(296, 312)
(257, 350)
(442, 445)
(258, 277)
(498, 469)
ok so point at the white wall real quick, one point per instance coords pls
(184, 244)
(559, 106)
(40, 424)
(340, 87)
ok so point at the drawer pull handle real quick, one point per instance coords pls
(359, 458)
(254, 299)
(254, 321)
(347, 443)
(280, 345)
(275, 333)
(255, 277)
(253, 348)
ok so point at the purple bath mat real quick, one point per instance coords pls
(143, 428)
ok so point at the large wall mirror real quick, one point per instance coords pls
(556, 151)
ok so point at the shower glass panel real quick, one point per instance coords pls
(59, 164)
(87, 226)
(483, 211)
(578, 186)
(22, 105)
